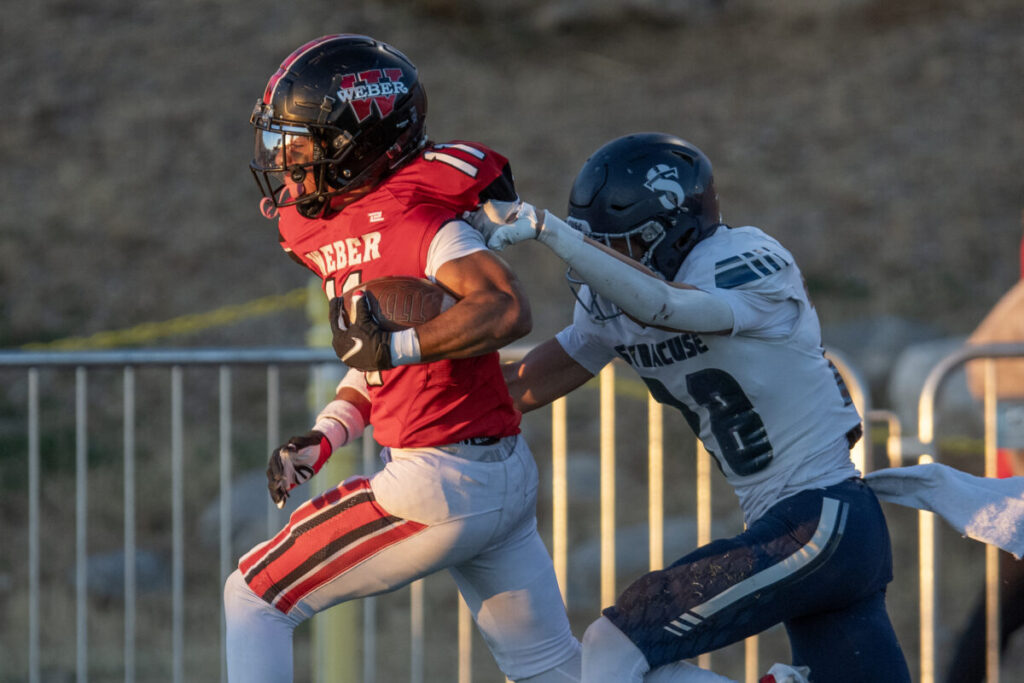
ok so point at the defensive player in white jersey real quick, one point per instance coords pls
(717, 321)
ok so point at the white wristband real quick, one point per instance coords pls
(405, 347)
(340, 422)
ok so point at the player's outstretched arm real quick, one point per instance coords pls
(643, 295)
(342, 420)
(545, 374)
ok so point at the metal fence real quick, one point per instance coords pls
(28, 366)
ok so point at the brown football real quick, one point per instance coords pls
(398, 302)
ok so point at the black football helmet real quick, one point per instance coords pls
(650, 196)
(340, 113)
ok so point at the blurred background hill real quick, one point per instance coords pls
(882, 142)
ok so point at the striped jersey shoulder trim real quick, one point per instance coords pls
(749, 266)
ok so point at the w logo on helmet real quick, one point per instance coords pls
(662, 179)
(374, 86)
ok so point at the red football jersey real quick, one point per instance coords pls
(388, 232)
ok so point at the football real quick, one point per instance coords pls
(398, 302)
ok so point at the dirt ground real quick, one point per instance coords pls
(881, 142)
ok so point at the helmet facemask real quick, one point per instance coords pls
(303, 166)
(289, 166)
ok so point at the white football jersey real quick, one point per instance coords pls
(764, 400)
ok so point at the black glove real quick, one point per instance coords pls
(294, 463)
(360, 343)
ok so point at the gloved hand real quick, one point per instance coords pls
(295, 462)
(360, 343)
(506, 223)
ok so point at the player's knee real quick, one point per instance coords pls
(245, 611)
(604, 635)
(608, 654)
(566, 672)
(239, 600)
(235, 589)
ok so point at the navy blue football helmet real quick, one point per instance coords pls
(650, 196)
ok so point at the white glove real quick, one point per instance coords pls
(506, 223)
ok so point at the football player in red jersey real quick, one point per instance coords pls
(359, 192)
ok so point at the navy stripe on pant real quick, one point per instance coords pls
(817, 562)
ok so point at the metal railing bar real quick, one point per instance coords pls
(926, 589)
(465, 639)
(655, 484)
(129, 524)
(607, 411)
(225, 499)
(81, 518)
(33, 526)
(941, 371)
(369, 453)
(926, 437)
(751, 658)
(416, 651)
(861, 451)
(560, 495)
(178, 356)
(177, 526)
(703, 516)
(273, 436)
(894, 439)
(992, 616)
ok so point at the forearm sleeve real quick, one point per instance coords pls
(645, 298)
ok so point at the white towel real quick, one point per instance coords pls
(985, 509)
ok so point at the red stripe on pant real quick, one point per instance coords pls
(324, 538)
(401, 530)
(343, 491)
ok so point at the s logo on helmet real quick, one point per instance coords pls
(374, 86)
(662, 178)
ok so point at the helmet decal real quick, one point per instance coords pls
(373, 86)
(663, 179)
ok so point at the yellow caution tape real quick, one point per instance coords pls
(146, 333)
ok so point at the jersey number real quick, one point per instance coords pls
(454, 161)
(738, 429)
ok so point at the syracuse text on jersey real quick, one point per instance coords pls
(663, 353)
